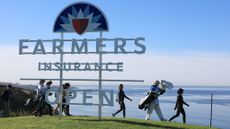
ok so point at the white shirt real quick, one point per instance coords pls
(41, 89)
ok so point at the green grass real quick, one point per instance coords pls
(80, 122)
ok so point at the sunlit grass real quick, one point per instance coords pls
(78, 122)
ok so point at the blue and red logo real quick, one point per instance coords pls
(81, 17)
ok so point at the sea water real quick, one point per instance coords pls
(199, 99)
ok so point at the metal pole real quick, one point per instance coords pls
(87, 80)
(211, 110)
(100, 80)
(61, 79)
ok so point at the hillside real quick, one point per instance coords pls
(20, 95)
(80, 122)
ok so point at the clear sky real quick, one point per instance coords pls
(188, 41)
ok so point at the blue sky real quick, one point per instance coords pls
(176, 31)
(167, 25)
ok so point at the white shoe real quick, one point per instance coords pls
(147, 117)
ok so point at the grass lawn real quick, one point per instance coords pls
(80, 122)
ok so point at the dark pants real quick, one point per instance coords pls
(122, 108)
(6, 108)
(42, 104)
(49, 107)
(65, 107)
(179, 110)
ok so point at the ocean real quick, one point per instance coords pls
(199, 99)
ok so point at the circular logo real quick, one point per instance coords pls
(81, 17)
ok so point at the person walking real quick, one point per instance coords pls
(43, 101)
(65, 106)
(156, 91)
(179, 105)
(6, 97)
(40, 94)
(120, 98)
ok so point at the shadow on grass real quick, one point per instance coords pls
(131, 123)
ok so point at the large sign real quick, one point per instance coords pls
(80, 18)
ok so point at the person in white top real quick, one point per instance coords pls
(43, 102)
(40, 96)
(40, 88)
(157, 91)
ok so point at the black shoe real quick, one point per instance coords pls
(113, 115)
(68, 114)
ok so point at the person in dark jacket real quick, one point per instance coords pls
(6, 97)
(179, 105)
(120, 98)
(65, 106)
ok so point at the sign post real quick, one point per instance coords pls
(210, 124)
(61, 78)
(100, 78)
(79, 18)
